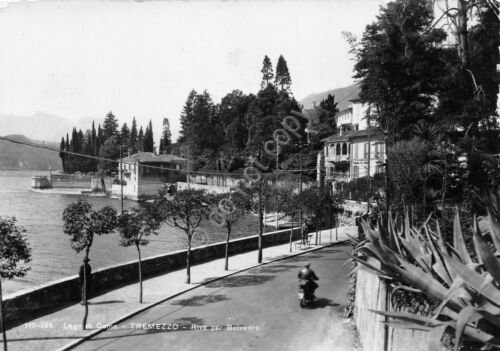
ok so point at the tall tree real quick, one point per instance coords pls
(233, 110)
(166, 137)
(82, 223)
(62, 155)
(140, 141)
(282, 78)
(133, 137)
(326, 124)
(401, 66)
(109, 151)
(15, 253)
(135, 227)
(125, 137)
(187, 117)
(110, 125)
(94, 141)
(185, 210)
(148, 143)
(100, 137)
(231, 207)
(267, 72)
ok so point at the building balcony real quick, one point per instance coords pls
(337, 158)
(338, 177)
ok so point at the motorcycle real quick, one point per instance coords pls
(306, 298)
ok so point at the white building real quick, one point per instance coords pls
(144, 173)
(347, 154)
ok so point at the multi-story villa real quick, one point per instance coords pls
(356, 146)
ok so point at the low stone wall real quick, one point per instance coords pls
(371, 294)
(70, 181)
(216, 189)
(26, 305)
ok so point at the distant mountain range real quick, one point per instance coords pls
(43, 126)
(17, 156)
(342, 97)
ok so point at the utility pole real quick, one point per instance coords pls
(277, 162)
(121, 178)
(300, 182)
(369, 159)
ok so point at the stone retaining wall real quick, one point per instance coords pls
(27, 305)
(371, 293)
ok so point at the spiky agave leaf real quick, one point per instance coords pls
(494, 229)
(411, 318)
(435, 337)
(491, 263)
(466, 315)
(417, 277)
(458, 240)
(474, 280)
(407, 325)
(439, 267)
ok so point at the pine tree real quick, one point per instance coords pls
(62, 155)
(140, 141)
(124, 137)
(132, 144)
(267, 72)
(110, 125)
(80, 142)
(187, 117)
(282, 78)
(100, 138)
(166, 137)
(148, 142)
(93, 140)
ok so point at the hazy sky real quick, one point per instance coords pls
(141, 58)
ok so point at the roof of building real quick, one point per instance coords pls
(352, 135)
(149, 157)
(336, 137)
(366, 132)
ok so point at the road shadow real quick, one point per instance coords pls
(322, 302)
(105, 302)
(238, 281)
(62, 337)
(304, 258)
(331, 251)
(180, 324)
(200, 300)
(189, 321)
(273, 268)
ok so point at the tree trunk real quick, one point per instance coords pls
(4, 334)
(261, 220)
(188, 265)
(424, 202)
(463, 41)
(317, 220)
(226, 265)
(140, 274)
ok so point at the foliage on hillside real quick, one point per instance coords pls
(16, 156)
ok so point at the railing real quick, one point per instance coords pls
(337, 158)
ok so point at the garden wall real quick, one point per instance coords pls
(27, 305)
(371, 293)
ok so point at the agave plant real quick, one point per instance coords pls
(418, 259)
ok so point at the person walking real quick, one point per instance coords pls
(304, 232)
(85, 268)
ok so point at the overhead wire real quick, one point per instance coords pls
(38, 146)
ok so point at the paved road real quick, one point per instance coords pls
(254, 310)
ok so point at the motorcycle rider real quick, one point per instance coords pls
(307, 279)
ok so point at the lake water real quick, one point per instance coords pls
(52, 257)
